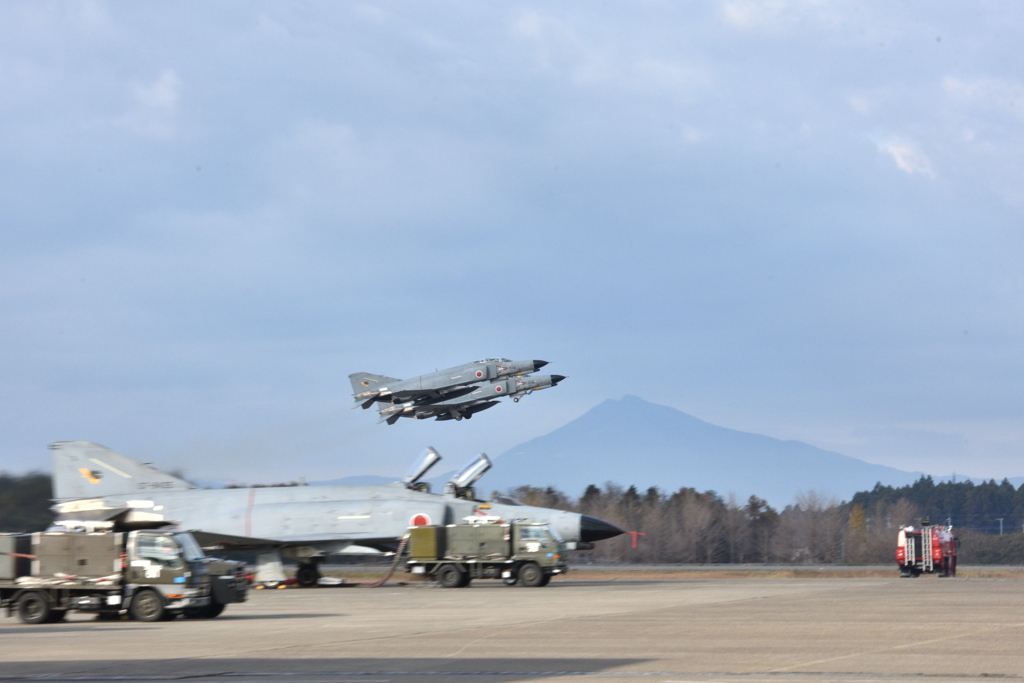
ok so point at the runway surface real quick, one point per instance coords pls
(753, 630)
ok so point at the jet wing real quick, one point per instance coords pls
(208, 539)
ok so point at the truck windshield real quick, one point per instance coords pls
(190, 548)
(159, 548)
(535, 533)
(554, 533)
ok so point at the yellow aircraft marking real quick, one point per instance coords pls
(88, 475)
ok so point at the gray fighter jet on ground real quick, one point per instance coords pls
(94, 484)
(451, 394)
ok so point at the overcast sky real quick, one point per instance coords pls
(803, 219)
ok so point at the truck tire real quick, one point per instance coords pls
(33, 608)
(449, 576)
(147, 605)
(545, 581)
(530, 575)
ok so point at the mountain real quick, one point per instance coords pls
(634, 442)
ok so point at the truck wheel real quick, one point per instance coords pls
(530, 575)
(147, 605)
(545, 581)
(33, 608)
(449, 576)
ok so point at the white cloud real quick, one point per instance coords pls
(908, 157)
(155, 107)
(860, 104)
(773, 15)
(590, 59)
(691, 135)
(989, 93)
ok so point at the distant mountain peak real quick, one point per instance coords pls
(634, 441)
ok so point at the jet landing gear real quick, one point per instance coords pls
(308, 574)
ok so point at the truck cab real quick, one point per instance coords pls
(150, 574)
(175, 565)
(165, 575)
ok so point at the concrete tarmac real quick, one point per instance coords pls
(751, 630)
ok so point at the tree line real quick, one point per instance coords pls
(690, 526)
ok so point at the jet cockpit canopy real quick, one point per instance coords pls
(461, 485)
(424, 461)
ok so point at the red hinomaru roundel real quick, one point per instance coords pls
(479, 373)
(497, 389)
(420, 519)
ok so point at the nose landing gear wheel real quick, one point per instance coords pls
(307, 575)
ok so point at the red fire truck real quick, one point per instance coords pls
(926, 549)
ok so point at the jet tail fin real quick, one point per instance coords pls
(88, 470)
(367, 381)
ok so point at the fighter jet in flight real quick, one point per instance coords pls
(306, 523)
(480, 398)
(451, 394)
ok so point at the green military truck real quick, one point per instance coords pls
(151, 575)
(517, 552)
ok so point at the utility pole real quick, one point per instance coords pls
(1000, 520)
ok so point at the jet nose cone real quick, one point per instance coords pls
(555, 379)
(594, 529)
(538, 364)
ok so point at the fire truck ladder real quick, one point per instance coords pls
(909, 556)
(926, 549)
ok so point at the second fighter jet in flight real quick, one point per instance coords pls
(450, 394)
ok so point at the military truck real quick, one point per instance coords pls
(151, 575)
(517, 552)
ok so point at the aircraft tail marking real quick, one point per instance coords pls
(88, 470)
(367, 381)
